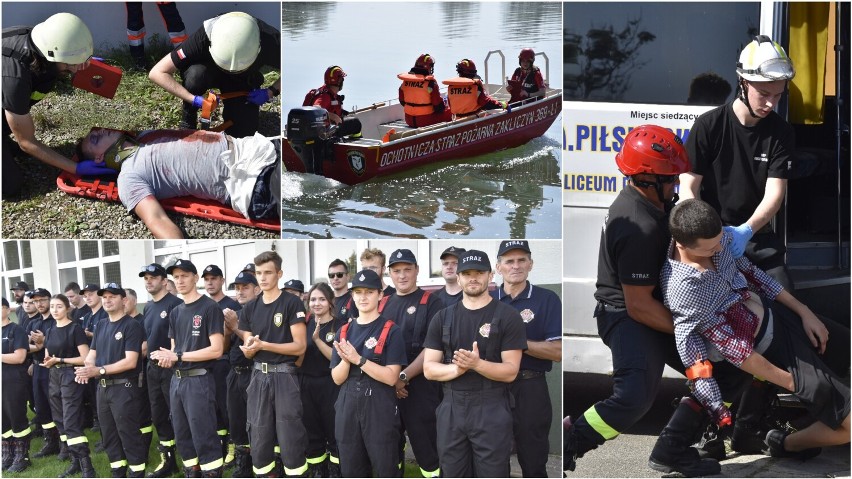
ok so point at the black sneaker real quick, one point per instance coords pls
(775, 447)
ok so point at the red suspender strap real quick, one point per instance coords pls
(380, 346)
(382, 303)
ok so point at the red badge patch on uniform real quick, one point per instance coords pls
(163, 314)
(371, 343)
(181, 54)
(527, 315)
(411, 309)
(196, 321)
(485, 330)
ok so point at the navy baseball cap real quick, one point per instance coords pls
(20, 285)
(453, 251)
(5, 302)
(509, 245)
(366, 278)
(91, 287)
(295, 284)
(153, 269)
(474, 260)
(41, 292)
(402, 256)
(212, 269)
(249, 268)
(113, 288)
(183, 265)
(243, 278)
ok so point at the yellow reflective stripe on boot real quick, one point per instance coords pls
(7, 434)
(167, 443)
(212, 465)
(598, 424)
(296, 472)
(49, 425)
(26, 432)
(435, 473)
(312, 460)
(263, 470)
(117, 464)
(137, 468)
(334, 459)
(146, 429)
(77, 440)
(190, 462)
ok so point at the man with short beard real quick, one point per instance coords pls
(156, 313)
(338, 279)
(113, 363)
(18, 292)
(37, 329)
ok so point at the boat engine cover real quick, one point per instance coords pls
(307, 123)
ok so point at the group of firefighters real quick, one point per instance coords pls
(278, 389)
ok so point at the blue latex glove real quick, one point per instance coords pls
(90, 168)
(741, 234)
(259, 96)
(197, 101)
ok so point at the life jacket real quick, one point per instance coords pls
(419, 318)
(463, 95)
(380, 345)
(418, 93)
(527, 82)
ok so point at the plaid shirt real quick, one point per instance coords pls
(709, 307)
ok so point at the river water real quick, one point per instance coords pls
(511, 193)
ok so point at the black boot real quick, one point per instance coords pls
(132, 473)
(87, 467)
(8, 453)
(64, 454)
(712, 443)
(189, 117)
(73, 468)
(137, 52)
(753, 408)
(213, 472)
(672, 452)
(192, 471)
(21, 448)
(51, 443)
(775, 446)
(119, 471)
(167, 465)
(569, 445)
(242, 461)
(334, 469)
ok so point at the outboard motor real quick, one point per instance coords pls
(310, 134)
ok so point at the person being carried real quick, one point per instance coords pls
(725, 308)
(328, 97)
(240, 172)
(420, 95)
(466, 94)
(527, 81)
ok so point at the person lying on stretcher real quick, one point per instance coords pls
(242, 173)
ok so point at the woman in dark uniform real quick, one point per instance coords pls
(16, 429)
(318, 389)
(66, 346)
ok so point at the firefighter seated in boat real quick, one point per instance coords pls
(527, 81)
(420, 96)
(466, 94)
(328, 97)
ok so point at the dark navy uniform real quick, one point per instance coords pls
(448, 299)
(156, 323)
(90, 322)
(221, 368)
(417, 411)
(118, 395)
(541, 311)
(66, 396)
(344, 307)
(474, 417)
(319, 393)
(79, 313)
(367, 424)
(14, 378)
(239, 377)
(193, 390)
(274, 402)
(41, 376)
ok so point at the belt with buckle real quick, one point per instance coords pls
(115, 382)
(529, 374)
(608, 308)
(241, 369)
(63, 365)
(267, 368)
(188, 373)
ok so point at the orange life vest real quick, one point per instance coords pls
(463, 95)
(417, 92)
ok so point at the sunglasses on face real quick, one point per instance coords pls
(336, 275)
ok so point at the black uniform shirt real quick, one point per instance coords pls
(157, 321)
(735, 160)
(364, 338)
(112, 341)
(79, 313)
(21, 86)
(229, 302)
(633, 247)
(235, 354)
(62, 342)
(92, 320)
(344, 306)
(404, 311)
(191, 326)
(272, 323)
(196, 49)
(14, 338)
(39, 323)
(314, 363)
(447, 298)
(479, 325)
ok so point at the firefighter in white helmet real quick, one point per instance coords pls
(33, 59)
(227, 53)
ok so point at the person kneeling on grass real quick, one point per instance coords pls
(243, 173)
(725, 308)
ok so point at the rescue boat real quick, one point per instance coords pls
(388, 146)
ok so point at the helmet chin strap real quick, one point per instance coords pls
(744, 98)
(658, 187)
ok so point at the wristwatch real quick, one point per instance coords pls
(102, 371)
(362, 361)
(403, 377)
(179, 355)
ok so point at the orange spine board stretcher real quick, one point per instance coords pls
(99, 78)
(106, 190)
